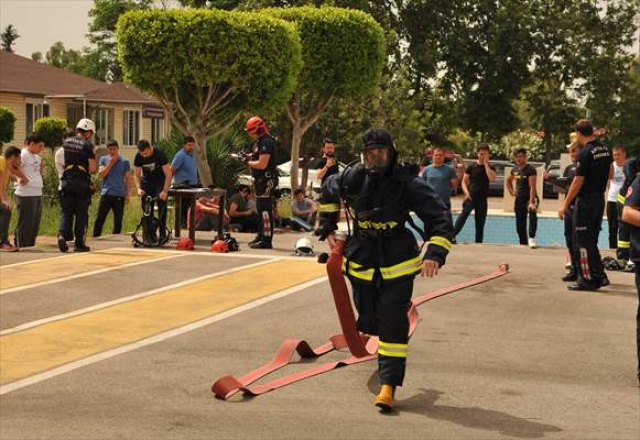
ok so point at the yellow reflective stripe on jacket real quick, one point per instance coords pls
(621, 199)
(624, 244)
(405, 268)
(377, 225)
(356, 270)
(328, 207)
(440, 241)
(392, 350)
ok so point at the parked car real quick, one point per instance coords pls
(548, 191)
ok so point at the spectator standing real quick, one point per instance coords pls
(588, 187)
(115, 172)
(240, 211)
(526, 199)
(304, 209)
(185, 172)
(152, 177)
(475, 186)
(327, 165)
(29, 193)
(76, 191)
(9, 162)
(441, 177)
(631, 217)
(615, 184)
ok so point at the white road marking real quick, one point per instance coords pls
(154, 339)
(104, 305)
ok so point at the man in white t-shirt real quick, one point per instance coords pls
(615, 183)
(29, 193)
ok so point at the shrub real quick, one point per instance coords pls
(7, 125)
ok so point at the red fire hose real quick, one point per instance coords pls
(362, 348)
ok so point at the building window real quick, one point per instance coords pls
(75, 112)
(34, 112)
(157, 130)
(103, 117)
(131, 126)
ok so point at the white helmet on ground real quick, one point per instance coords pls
(86, 125)
(304, 247)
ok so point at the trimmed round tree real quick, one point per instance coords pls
(51, 129)
(207, 67)
(343, 51)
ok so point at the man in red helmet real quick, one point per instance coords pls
(262, 161)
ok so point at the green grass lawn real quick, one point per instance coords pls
(51, 218)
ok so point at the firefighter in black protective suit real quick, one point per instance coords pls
(262, 161)
(382, 256)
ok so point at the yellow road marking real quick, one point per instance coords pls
(42, 348)
(57, 268)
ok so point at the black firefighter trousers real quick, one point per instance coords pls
(382, 310)
(587, 222)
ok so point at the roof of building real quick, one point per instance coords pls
(22, 75)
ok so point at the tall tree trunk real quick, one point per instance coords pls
(296, 140)
(201, 159)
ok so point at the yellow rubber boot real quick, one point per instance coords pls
(384, 400)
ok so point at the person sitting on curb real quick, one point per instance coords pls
(304, 211)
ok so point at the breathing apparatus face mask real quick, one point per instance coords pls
(376, 160)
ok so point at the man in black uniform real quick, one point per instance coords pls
(475, 185)
(593, 170)
(382, 257)
(152, 177)
(631, 170)
(327, 165)
(562, 184)
(75, 193)
(631, 217)
(526, 199)
(262, 161)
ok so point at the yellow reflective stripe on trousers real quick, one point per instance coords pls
(405, 268)
(621, 199)
(392, 350)
(624, 244)
(328, 207)
(440, 241)
(368, 224)
(356, 270)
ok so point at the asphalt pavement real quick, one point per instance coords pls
(125, 343)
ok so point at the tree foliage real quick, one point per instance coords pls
(8, 37)
(208, 67)
(7, 125)
(344, 54)
(103, 54)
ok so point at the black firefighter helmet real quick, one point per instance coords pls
(378, 151)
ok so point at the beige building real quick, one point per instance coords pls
(32, 90)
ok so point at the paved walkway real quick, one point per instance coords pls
(125, 343)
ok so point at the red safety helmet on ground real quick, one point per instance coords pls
(185, 244)
(255, 124)
(220, 246)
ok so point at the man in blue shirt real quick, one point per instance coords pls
(115, 172)
(441, 177)
(185, 172)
